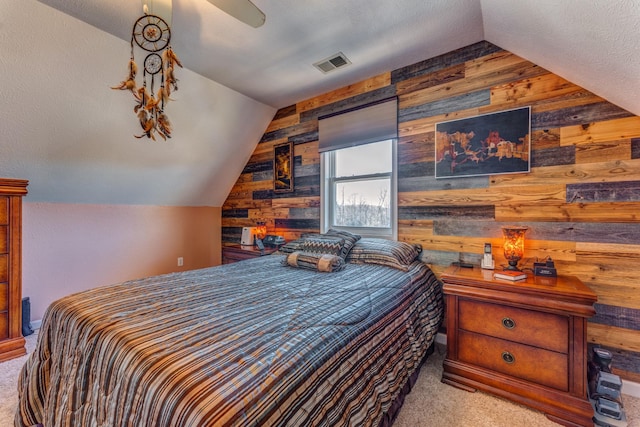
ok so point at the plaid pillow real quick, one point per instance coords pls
(313, 261)
(391, 253)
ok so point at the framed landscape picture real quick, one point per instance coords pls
(283, 168)
(488, 144)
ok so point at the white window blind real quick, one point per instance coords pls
(364, 125)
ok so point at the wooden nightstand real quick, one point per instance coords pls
(235, 253)
(524, 341)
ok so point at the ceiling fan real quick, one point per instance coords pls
(243, 10)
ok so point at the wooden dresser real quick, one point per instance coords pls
(235, 253)
(524, 341)
(11, 340)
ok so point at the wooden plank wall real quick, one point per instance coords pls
(581, 199)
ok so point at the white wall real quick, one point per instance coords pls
(71, 136)
(68, 248)
(103, 206)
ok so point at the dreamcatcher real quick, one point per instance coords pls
(152, 34)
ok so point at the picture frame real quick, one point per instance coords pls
(488, 144)
(283, 168)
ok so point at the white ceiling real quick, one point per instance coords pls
(593, 43)
(71, 136)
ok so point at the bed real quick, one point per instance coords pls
(262, 342)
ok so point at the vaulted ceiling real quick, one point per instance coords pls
(73, 137)
(593, 43)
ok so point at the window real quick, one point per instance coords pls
(359, 189)
(358, 169)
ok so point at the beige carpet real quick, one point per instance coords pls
(9, 371)
(431, 400)
(430, 403)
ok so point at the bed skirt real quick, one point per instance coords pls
(390, 416)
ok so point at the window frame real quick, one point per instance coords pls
(328, 182)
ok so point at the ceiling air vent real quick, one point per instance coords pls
(332, 63)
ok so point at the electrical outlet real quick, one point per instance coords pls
(180, 261)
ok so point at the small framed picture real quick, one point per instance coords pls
(283, 168)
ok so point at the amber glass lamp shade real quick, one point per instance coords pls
(261, 230)
(513, 245)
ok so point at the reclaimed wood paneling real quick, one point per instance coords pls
(611, 336)
(611, 130)
(297, 202)
(580, 200)
(553, 156)
(442, 106)
(262, 214)
(283, 122)
(416, 148)
(411, 127)
(482, 196)
(238, 222)
(569, 212)
(545, 138)
(286, 132)
(573, 99)
(242, 189)
(620, 317)
(235, 213)
(432, 65)
(425, 81)
(526, 91)
(635, 148)
(593, 192)
(246, 203)
(576, 114)
(449, 212)
(495, 70)
(285, 112)
(364, 98)
(380, 81)
(257, 166)
(606, 171)
(602, 152)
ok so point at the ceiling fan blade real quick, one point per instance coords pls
(242, 10)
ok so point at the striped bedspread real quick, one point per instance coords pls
(254, 343)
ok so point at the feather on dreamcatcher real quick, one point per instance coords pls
(152, 33)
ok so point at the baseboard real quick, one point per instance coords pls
(629, 388)
(35, 324)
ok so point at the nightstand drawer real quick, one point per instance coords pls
(4, 325)
(4, 210)
(529, 363)
(4, 268)
(535, 328)
(4, 239)
(4, 297)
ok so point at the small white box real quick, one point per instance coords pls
(248, 235)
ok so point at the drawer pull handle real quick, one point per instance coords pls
(508, 323)
(508, 357)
